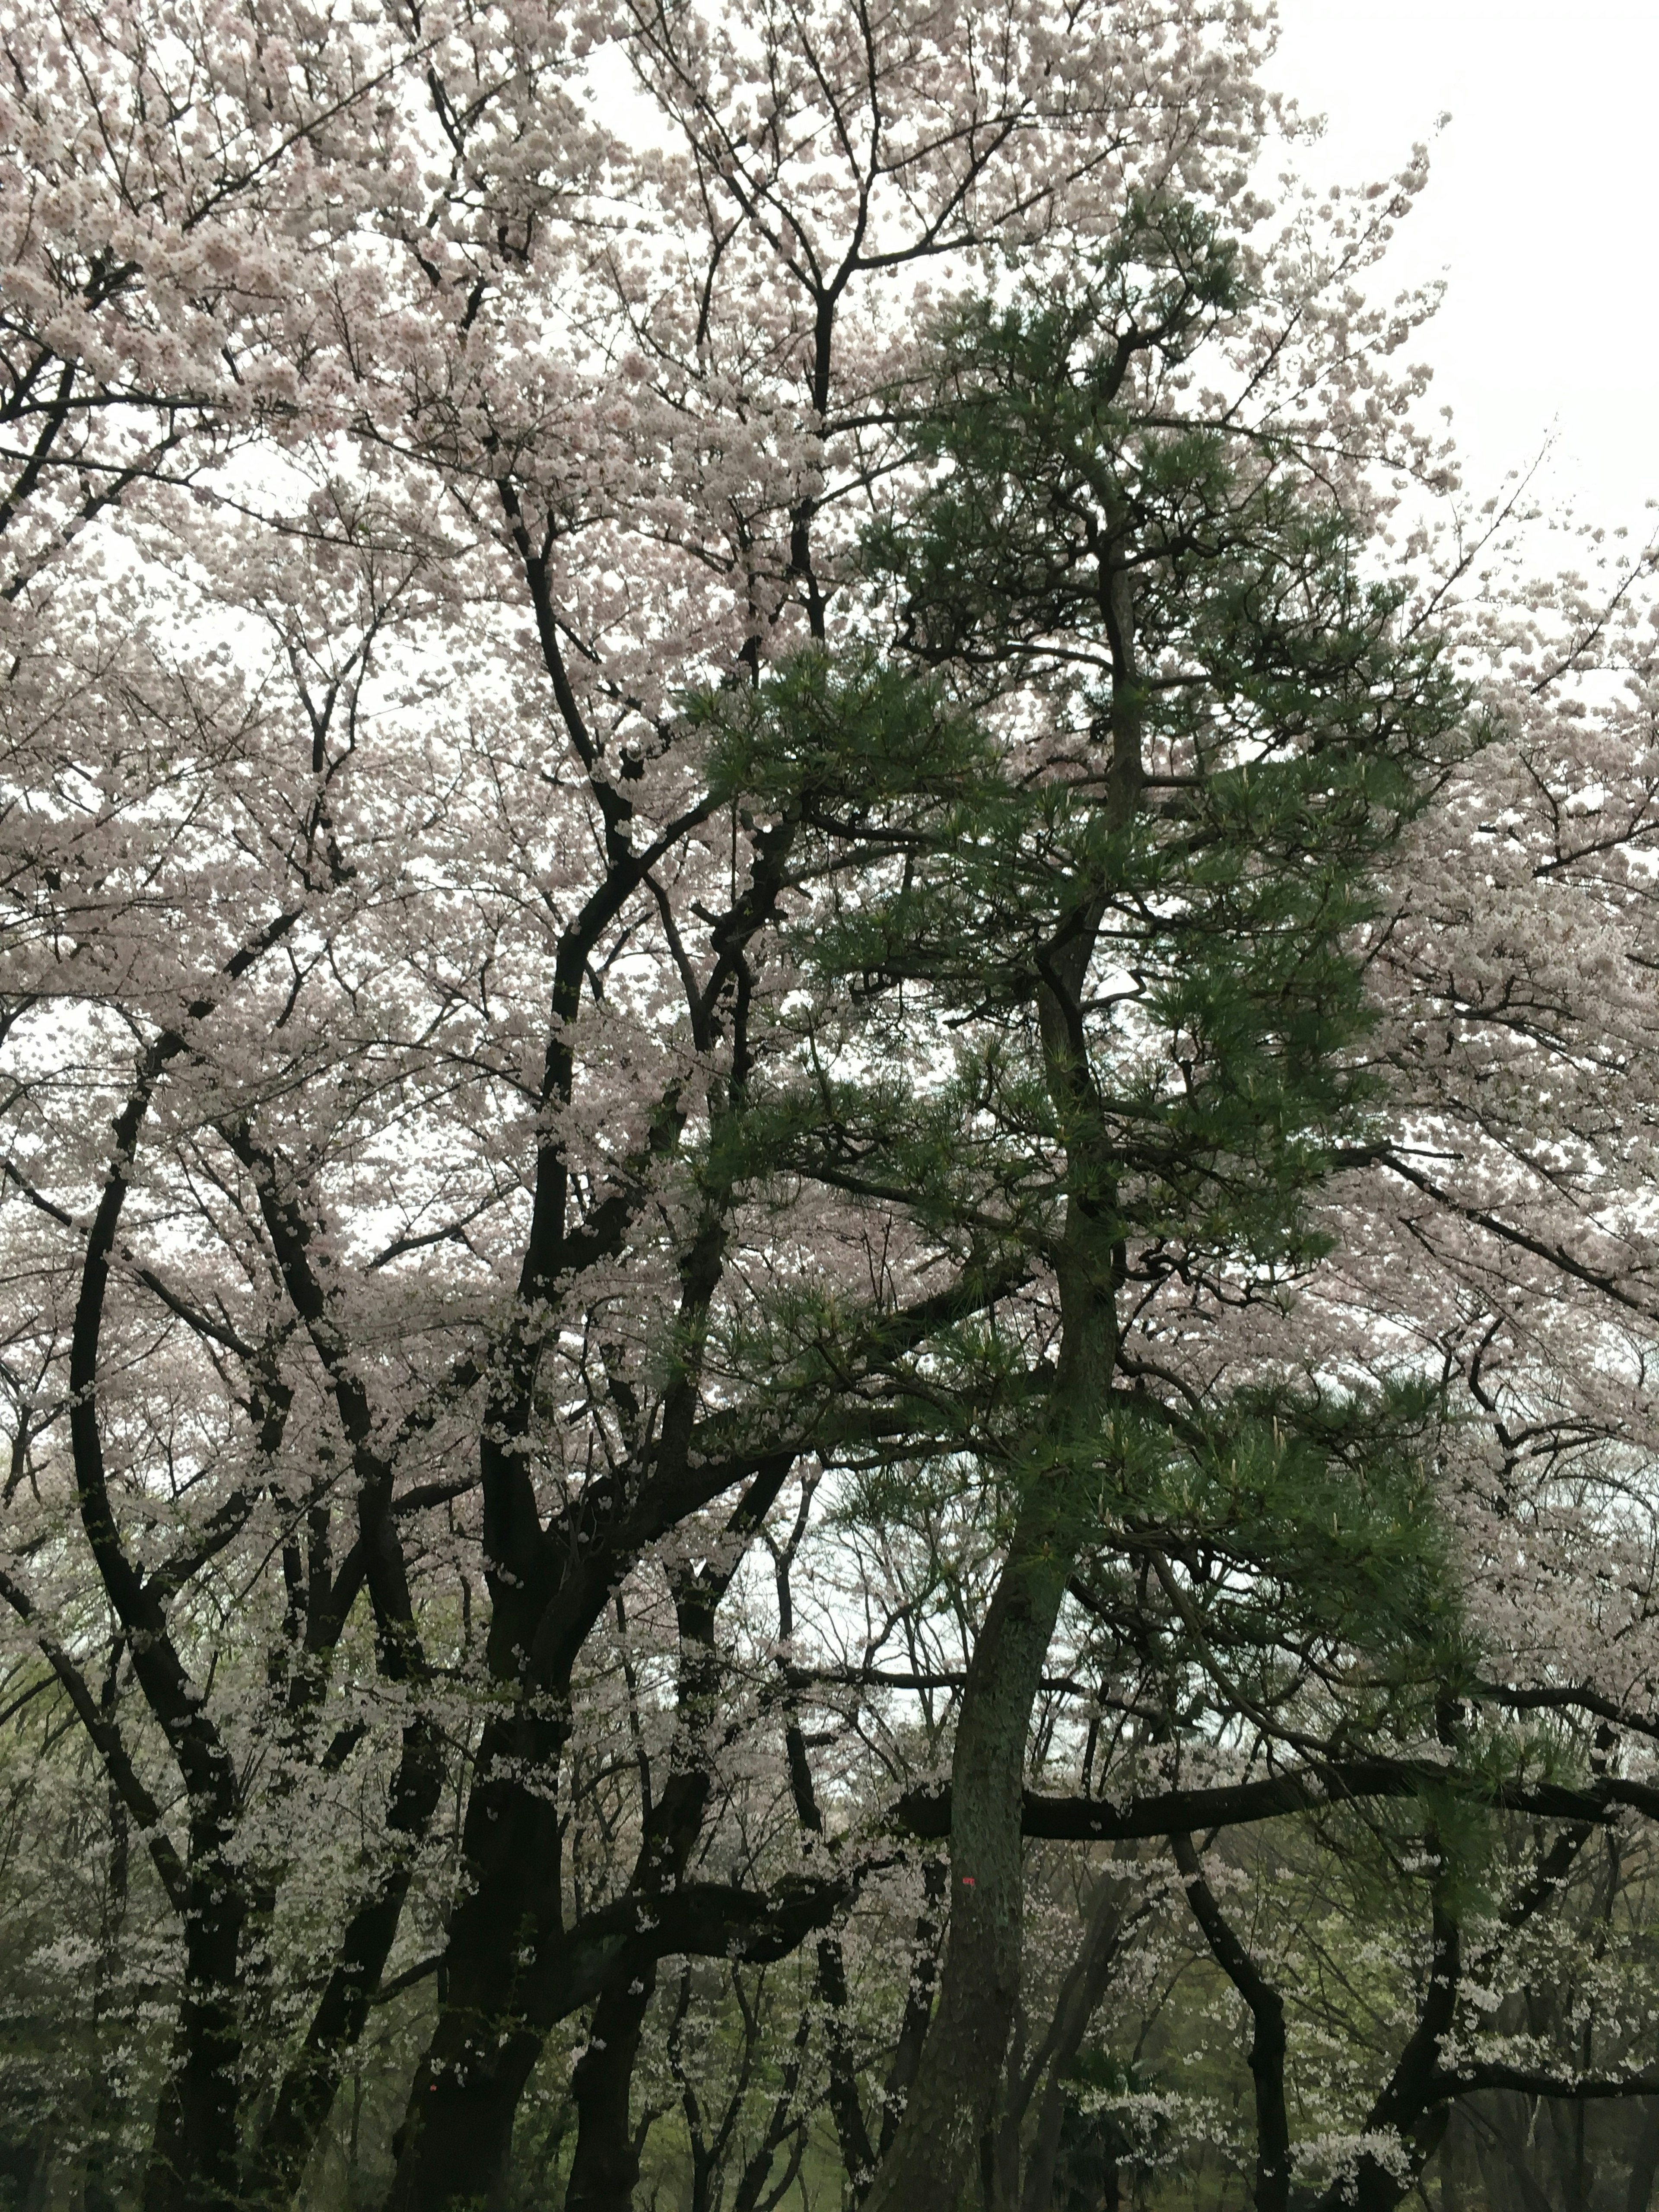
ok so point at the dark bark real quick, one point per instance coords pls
(194, 2152)
(932, 2160)
(711, 1920)
(606, 2163)
(308, 2089)
(513, 1968)
(935, 2151)
(195, 2149)
(927, 1812)
(193, 2156)
(506, 1970)
(857, 2153)
(785, 2124)
(97, 2193)
(319, 1607)
(1412, 2105)
(710, 2146)
(1271, 2190)
(918, 2002)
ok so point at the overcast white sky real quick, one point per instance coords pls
(1542, 212)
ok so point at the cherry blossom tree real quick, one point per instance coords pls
(749, 912)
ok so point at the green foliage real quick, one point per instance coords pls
(1186, 730)
(847, 742)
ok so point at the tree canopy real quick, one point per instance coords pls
(829, 1052)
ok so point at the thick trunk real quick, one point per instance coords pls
(935, 2154)
(193, 2165)
(457, 2131)
(507, 1940)
(606, 2165)
(459, 2150)
(97, 2194)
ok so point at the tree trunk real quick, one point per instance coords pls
(1413, 2102)
(456, 2136)
(918, 2003)
(193, 2165)
(306, 2095)
(606, 2163)
(934, 2156)
(1266, 2058)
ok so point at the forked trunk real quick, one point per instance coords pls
(454, 2144)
